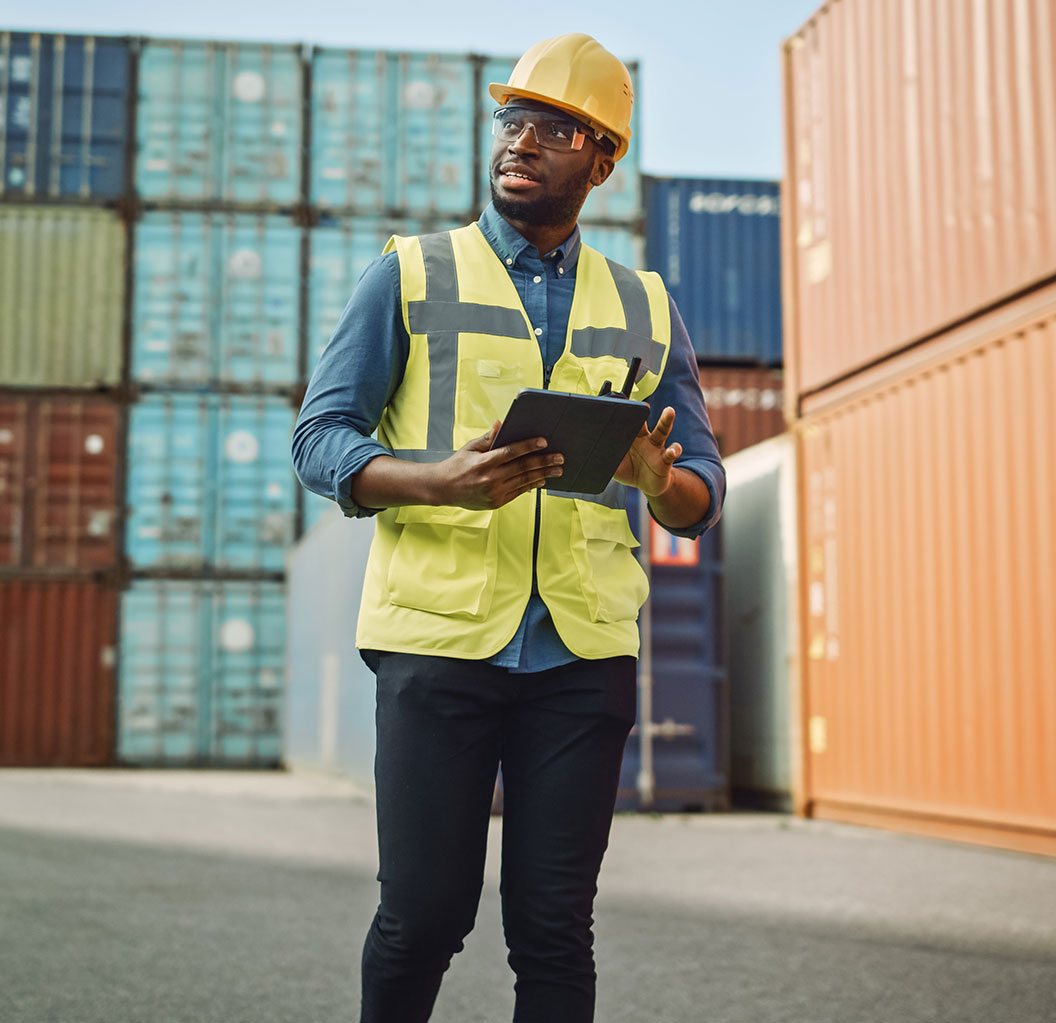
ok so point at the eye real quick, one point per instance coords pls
(560, 130)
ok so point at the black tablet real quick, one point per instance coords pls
(593, 432)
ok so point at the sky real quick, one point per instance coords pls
(710, 92)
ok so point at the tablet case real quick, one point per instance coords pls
(593, 432)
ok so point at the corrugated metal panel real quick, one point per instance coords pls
(57, 654)
(392, 131)
(216, 299)
(210, 482)
(744, 405)
(761, 567)
(219, 121)
(62, 274)
(717, 245)
(620, 198)
(202, 667)
(689, 680)
(330, 696)
(929, 589)
(63, 115)
(59, 506)
(921, 157)
(340, 251)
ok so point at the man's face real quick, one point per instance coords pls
(544, 187)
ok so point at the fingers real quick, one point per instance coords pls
(663, 427)
(511, 452)
(484, 443)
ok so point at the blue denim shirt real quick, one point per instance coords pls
(363, 365)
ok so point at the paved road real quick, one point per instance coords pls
(172, 897)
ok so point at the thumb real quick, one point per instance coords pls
(484, 443)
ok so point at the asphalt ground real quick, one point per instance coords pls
(166, 897)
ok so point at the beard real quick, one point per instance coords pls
(547, 210)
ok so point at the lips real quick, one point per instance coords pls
(517, 178)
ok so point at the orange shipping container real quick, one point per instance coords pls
(920, 182)
(57, 675)
(744, 405)
(929, 589)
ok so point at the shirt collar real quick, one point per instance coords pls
(510, 245)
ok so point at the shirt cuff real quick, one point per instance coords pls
(355, 458)
(704, 470)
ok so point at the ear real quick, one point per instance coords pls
(603, 165)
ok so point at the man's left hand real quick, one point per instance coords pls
(647, 465)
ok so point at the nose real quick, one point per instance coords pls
(527, 141)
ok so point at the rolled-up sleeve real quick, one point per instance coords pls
(679, 387)
(356, 376)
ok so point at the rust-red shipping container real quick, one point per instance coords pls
(929, 587)
(920, 173)
(57, 674)
(744, 405)
(59, 483)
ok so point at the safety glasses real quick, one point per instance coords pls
(552, 131)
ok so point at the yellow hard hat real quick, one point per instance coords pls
(577, 74)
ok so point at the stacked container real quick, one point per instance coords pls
(216, 337)
(63, 164)
(920, 250)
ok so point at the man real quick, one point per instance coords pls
(501, 618)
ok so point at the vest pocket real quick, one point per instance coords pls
(613, 582)
(444, 561)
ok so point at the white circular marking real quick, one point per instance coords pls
(242, 446)
(249, 86)
(236, 635)
(93, 444)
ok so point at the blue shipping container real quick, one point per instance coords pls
(201, 674)
(219, 121)
(216, 299)
(63, 115)
(717, 244)
(210, 483)
(690, 763)
(620, 244)
(620, 198)
(392, 131)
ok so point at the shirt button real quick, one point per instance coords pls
(509, 262)
(538, 331)
(560, 269)
(537, 278)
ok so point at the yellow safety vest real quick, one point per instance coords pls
(455, 582)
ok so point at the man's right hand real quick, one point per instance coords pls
(476, 476)
(473, 477)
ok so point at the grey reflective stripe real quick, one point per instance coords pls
(613, 496)
(440, 316)
(467, 317)
(422, 454)
(594, 342)
(626, 343)
(634, 299)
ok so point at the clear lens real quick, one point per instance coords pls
(551, 130)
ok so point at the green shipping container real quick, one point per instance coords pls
(62, 274)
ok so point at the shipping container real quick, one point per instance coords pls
(219, 122)
(717, 245)
(63, 115)
(57, 657)
(210, 482)
(201, 677)
(216, 299)
(329, 722)
(340, 251)
(921, 171)
(689, 718)
(62, 288)
(392, 131)
(744, 404)
(929, 589)
(621, 244)
(59, 504)
(761, 610)
(619, 199)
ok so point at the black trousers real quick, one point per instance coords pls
(443, 726)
